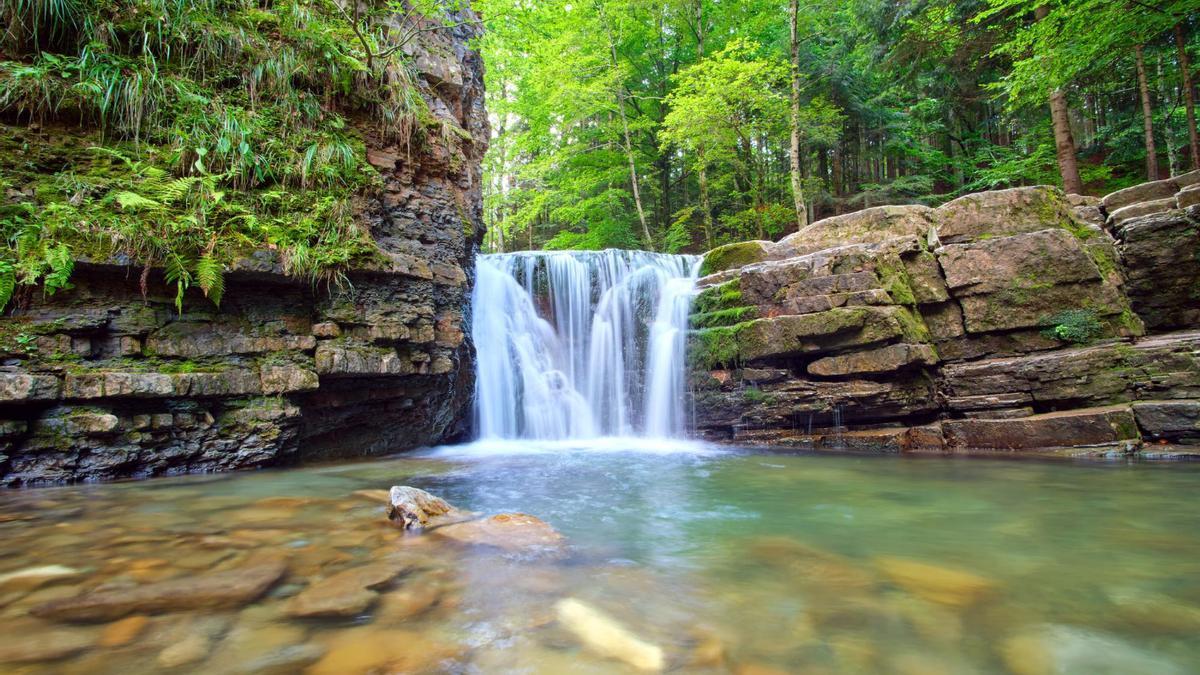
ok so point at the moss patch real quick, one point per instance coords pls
(732, 256)
(724, 317)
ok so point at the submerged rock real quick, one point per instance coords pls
(367, 649)
(30, 642)
(606, 637)
(1051, 649)
(943, 585)
(36, 577)
(347, 593)
(217, 590)
(508, 531)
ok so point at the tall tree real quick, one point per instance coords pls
(1147, 116)
(1064, 141)
(1189, 95)
(797, 177)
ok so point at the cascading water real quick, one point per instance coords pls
(579, 345)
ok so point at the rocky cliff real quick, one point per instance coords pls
(107, 379)
(1009, 320)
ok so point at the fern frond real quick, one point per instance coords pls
(176, 272)
(61, 264)
(210, 277)
(133, 201)
(8, 282)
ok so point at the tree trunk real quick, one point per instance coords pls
(1089, 119)
(633, 175)
(1164, 100)
(1189, 95)
(1147, 116)
(1064, 142)
(705, 203)
(797, 179)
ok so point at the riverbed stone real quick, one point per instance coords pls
(369, 649)
(344, 594)
(31, 642)
(936, 583)
(123, 631)
(31, 578)
(514, 532)
(215, 590)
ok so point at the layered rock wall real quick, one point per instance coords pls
(1011, 320)
(107, 380)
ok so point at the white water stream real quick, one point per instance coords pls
(581, 345)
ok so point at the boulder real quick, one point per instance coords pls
(869, 226)
(1176, 421)
(215, 590)
(1159, 189)
(1126, 213)
(1161, 268)
(1035, 260)
(606, 637)
(1088, 426)
(874, 361)
(1188, 179)
(734, 256)
(831, 330)
(1002, 213)
(412, 508)
(1188, 196)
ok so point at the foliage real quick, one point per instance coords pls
(220, 127)
(916, 101)
(1078, 326)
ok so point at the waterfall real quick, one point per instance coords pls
(576, 345)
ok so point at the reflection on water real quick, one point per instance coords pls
(730, 562)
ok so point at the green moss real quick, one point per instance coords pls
(715, 347)
(894, 278)
(731, 256)
(720, 297)
(724, 317)
(912, 326)
(1103, 257)
(1077, 326)
(756, 395)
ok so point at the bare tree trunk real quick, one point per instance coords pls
(1147, 117)
(797, 179)
(1089, 119)
(1164, 100)
(1064, 142)
(1189, 95)
(633, 175)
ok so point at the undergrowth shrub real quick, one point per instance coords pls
(210, 128)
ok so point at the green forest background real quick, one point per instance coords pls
(685, 124)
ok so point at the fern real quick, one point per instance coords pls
(132, 201)
(210, 277)
(8, 282)
(176, 272)
(60, 263)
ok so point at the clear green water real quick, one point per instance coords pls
(731, 562)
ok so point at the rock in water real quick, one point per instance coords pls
(513, 532)
(216, 590)
(412, 508)
(35, 577)
(604, 636)
(943, 585)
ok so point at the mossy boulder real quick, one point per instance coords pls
(869, 226)
(1003, 213)
(733, 256)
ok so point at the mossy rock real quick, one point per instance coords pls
(733, 256)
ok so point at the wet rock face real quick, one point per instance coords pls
(1013, 320)
(100, 382)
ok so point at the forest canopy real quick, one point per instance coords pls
(680, 125)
